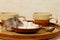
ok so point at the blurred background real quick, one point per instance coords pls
(28, 7)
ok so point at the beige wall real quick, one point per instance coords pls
(27, 7)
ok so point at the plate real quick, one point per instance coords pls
(47, 35)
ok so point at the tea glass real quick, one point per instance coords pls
(43, 18)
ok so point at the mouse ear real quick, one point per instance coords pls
(16, 16)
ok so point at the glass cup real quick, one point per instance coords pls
(43, 18)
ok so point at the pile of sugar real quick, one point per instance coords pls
(28, 25)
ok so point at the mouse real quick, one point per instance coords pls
(12, 22)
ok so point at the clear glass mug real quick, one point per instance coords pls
(5, 15)
(43, 18)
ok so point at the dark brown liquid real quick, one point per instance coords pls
(42, 22)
